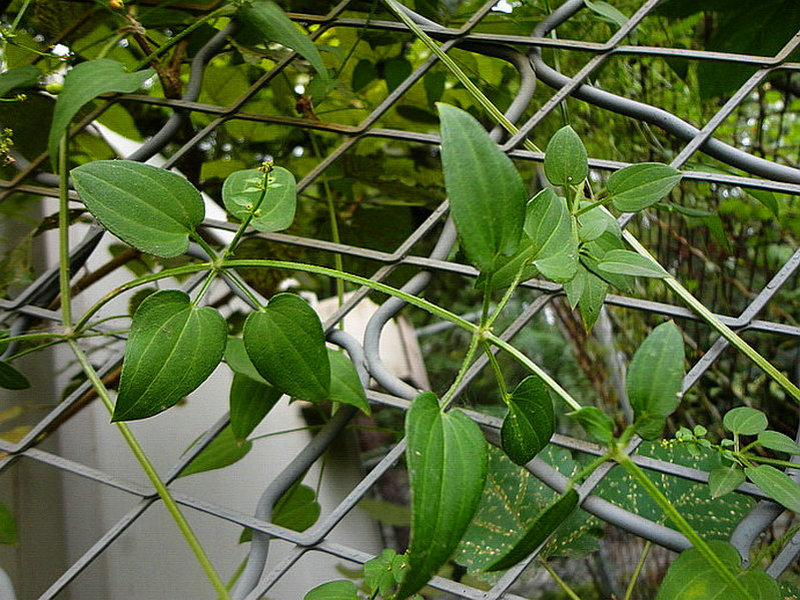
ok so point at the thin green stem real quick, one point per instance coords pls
(462, 77)
(770, 461)
(204, 288)
(769, 551)
(561, 583)
(683, 526)
(337, 258)
(250, 214)
(637, 571)
(165, 274)
(63, 235)
(534, 368)
(380, 287)
(720, 327)
(468, 358)
(487, 300)
(592, 206)
(179, 36)
(152, 475)
(506, 297)
(590, 468)
(498, 373)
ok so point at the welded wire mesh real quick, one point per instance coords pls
(196, 127)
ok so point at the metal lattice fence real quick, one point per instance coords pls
(535, 75)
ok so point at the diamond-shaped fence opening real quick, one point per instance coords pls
(375, 155)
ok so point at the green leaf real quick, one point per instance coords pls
(387, 513)
(396, 71)
(592, 297)
(768, 199)
(548, 224)
(341, 589)
(251, 397)
(8, 526)
(273, 24)
(447, 457)
(595, 422)
(723, 479)
(538, 532)
(11, 379)
(636, 187)
(592, 224)
(345, 385)
(297, 509)
(364, 73)
(655, 379)
(744, 420)
(565, 159)
(776, 484)
(172, 348)
(530, 422)
(383, 572)
(250, 401)
(21, 77)
(433, 82)
(575, 286)
(606, 12)
(625, 262)
(85, 82)
(242, 191)
(691, 577)
(286, 343)
(487, 197)
(560, 268)
(149, 208)
(223, 450)
(779, 442)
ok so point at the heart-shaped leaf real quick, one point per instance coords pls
(487, 197)
(173, 347)
(779, 442)
(530, 422)
(776, 484)
(286, 343)
(152, 209)
(11, 379)
(565, 159)
(625, 262)
(447, 457)
(595, 422)
(85, 82)
(273, 24)
(744, 420)
(636, 187)
(224, 450)
(722, 480)
(538, 532)
(243, 191)
(691, 577)
(345, 385)
(655, 379)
